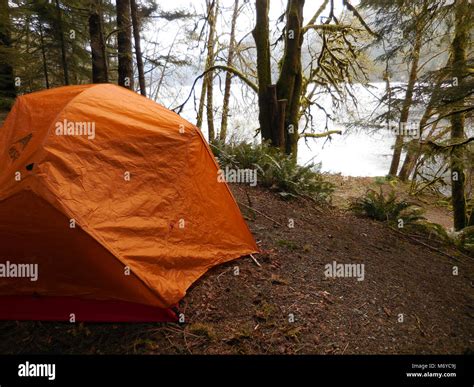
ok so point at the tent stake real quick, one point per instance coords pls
(255, 260)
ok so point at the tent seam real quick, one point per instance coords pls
(83, 224)
(64, 108)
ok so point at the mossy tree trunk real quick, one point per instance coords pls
(279, 105)
(261, 35)
(459, 72)
(289, 85)
(211, 132)
(207, 85)
(279, 115)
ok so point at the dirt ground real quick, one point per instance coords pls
(408, 303)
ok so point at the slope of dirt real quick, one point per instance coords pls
(408, 302)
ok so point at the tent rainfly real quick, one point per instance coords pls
(110, 208)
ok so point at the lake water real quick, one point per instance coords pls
(357, 152)
(352, 154)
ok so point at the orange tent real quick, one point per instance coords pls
(112, 202)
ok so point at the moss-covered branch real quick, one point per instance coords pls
(321, 135)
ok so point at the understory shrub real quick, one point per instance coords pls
(275, 170)
(398, 213)
(386, 208)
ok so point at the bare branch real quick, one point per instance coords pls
(351, 8)
(316, 15)
(439, 147)
(239, 74)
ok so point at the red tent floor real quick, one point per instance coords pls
(60, 309)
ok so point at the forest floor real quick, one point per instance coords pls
(348, 187)
(408, 303)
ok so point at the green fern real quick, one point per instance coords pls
(465, 240)
(386, 208)
(276, 170)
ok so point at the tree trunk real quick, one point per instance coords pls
(163, 71)
(228, 77)
(99, 61)
(124, 44)
(414, 148)
(210, 110)
(43, 55)
(27, 48)
(470, 222)
(289, 84)
(138, 50)
(209, 79)
(207, 89)
(285, 97)
(397, 151)
(459, 71)
(202, 100)
(261, 35)
(63, 43)
(7, 81)
(277, 117)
